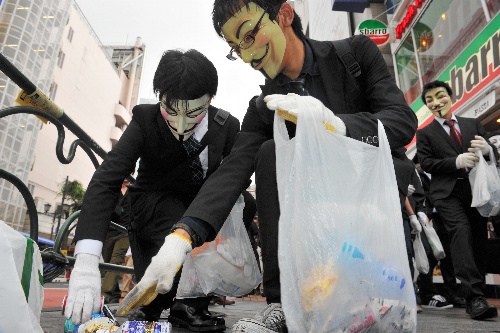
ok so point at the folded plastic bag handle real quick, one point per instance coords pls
(281, 133)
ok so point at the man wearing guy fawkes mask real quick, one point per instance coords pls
(301, 73)
(446, 148)
(180, 142)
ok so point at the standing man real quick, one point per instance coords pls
(268, 36)
(180, 141)
(446, 149)
(116, 245)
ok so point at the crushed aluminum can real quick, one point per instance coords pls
(146, 327)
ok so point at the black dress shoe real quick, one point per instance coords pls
(144, 314)
(458, 302)
(479, 309)
(195, 320)
(111, 300)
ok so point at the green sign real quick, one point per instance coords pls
(376, 30)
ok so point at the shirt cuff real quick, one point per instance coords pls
(200, 227)
(90, 246)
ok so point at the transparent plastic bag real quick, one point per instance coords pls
(485, 184)
(434, 241)
(225, 266)
(341, 242)
(420, 256)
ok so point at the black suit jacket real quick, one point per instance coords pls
(148, 138)
(438, 154)
(360, 106)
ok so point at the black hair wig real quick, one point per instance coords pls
(435, 84)
(184, 76)
(223, 10)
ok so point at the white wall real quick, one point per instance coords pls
(88, 89)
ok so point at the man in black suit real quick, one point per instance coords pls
(268, 35)
(180, 142)
(446, 149)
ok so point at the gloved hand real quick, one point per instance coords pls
(159, 275)
(415, 225)
(467, 160)
(480, 144)
(84, 293)
(411, 189)
(289, 106)
(422, 218)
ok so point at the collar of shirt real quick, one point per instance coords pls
(310, 67)
(446, 127)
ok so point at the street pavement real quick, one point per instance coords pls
(429, 321)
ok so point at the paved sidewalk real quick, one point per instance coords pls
(430, 321)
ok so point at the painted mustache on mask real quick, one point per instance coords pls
(254, 63)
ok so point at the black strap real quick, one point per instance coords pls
(347, 56)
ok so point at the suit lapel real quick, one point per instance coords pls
(171, 142)
(438, 128)
(211, 115)
(331, 75)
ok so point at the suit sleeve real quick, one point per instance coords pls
(386, 100)
(216, 198)
(103, 191)
(429, 162)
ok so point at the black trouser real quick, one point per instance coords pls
(269, 213)
(468, 235)
(146, 238)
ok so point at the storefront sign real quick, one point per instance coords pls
(481, 106)
(376, 30)
(410, 15)
(473, 70)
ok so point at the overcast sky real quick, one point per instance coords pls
(169, 24)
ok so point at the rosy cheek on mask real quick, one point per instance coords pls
(199, 118)
(430, 105)
(444, 100)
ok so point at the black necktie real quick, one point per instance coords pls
(192, 146)
(298, 85)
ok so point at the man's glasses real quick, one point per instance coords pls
(246, 42)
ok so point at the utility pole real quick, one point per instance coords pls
(55, 211)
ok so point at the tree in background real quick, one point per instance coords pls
(74, 192)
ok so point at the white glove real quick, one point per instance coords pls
(422, 218)
(159, 275)
(416, 228)
(480, 144)
(467, 160)
(411, 189)
(289, 106)
(84, 293)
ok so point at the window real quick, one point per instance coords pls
(70, 34)
(407, 70)
(446, 28)
(52, 91)
(60, 59)
(443, 31)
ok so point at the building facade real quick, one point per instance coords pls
(30, 38)
(456, 41)
(96, 86)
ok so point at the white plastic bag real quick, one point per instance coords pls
(225, 266)
(341, 242)
(434, 241)
(21, 289)
(420, 256)
(485, 184)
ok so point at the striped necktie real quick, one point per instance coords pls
(192, 146)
